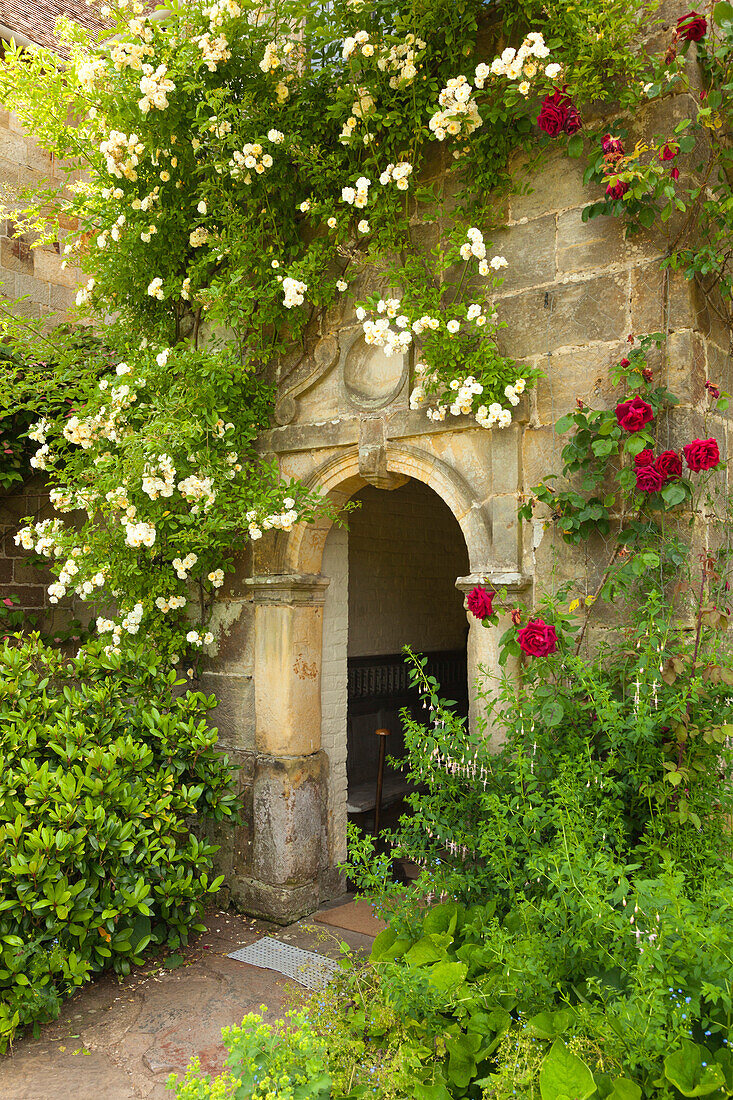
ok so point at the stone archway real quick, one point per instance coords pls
(294, 854)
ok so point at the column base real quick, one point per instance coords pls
(280, 904)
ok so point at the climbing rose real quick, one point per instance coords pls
(648, 479)
(633, 415)
(558, 114)
(669, 465)
(480, 602)
(712, 389)
(624, 363)
(617, 190)
(613, 145)
(675, 173)
(647, 374)
(644, 458)
(692, 27)
(669, 152)
(702, 454)
(537, 638)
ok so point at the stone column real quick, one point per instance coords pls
(483, 643)
(290, 785)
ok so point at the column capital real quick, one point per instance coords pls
(290, 589)
(513, 582)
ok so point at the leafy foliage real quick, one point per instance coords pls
(101, 772)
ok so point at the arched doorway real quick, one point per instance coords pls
(392, 581)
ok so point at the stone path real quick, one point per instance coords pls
(120, 1040)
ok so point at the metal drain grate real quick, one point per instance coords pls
(311, 970)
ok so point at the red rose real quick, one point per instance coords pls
(647, 374)
(692, 27)
(675, 173)
(712, 389)
(573, 121)
(644, 458)
(612, 145)
(669, 465)
(480, 602)
(633, 415)
(648, 479)
(552, 114)
(669, 152)
(558, 114)
(617, 190)
(702, 454)
(624, 363)
(537, 638)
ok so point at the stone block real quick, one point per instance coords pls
(31, 289)
(39, 159)
(13, 147)
(17, 256)
(505, 457)
(505, 532)
(281, 904)
(232, 625)
(234, 716)
(287, 678)
(647, 300)
(289, 818)
(31, 595)
(558, 185)
(47, 265)
(719, 365)
(566, 315)
(26, 573)
(7, 285)
(60, 298)
(541, 449)
(6, 570)
(685, 366)
(595, 244)
(582, 374)
(530, 252)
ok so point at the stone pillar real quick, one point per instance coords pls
(290, 784)
(483, 642)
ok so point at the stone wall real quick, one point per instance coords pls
(19, 576)
(35, 274)
(574, 291)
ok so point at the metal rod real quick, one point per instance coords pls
(382, 734)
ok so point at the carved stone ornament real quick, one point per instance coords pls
(324, 358)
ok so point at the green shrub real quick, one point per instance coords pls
(101, 771)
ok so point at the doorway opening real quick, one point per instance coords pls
(392, 582)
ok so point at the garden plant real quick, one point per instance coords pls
(240, 177)
(573, 931)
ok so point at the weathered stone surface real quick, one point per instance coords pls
(582, 374)
(530, 252)
(557, 186)
(234, 717)
(685, 367)
(595, 244)
(289, 811)
(565, 315)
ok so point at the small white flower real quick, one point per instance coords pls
(341, 285)
(453, 326)
(363, 226)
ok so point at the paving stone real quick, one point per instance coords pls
(131, 1034)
